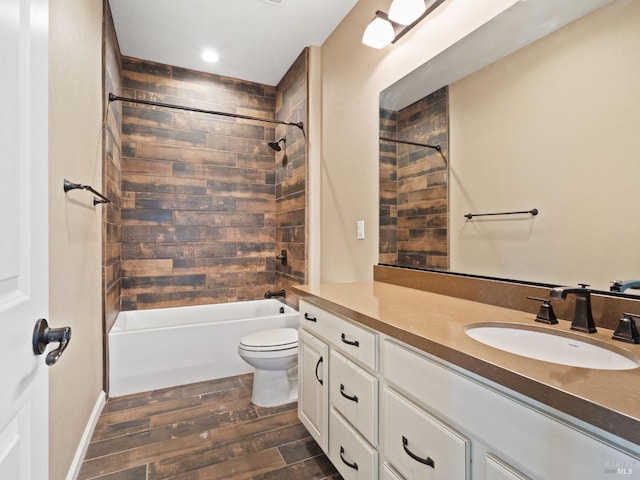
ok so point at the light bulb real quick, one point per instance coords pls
(406, 12)
(210, 56)
(379, 33)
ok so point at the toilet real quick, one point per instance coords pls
(274, 355)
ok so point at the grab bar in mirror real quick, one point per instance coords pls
(532, 212)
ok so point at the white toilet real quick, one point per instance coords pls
(274, 355)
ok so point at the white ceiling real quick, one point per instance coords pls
(257, 40)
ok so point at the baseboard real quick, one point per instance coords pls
(74, 470)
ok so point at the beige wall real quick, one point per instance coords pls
(75, 110)
(352, 77)
(553, 126)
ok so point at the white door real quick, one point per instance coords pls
(23, 237)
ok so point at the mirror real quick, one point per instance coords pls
(552, 125)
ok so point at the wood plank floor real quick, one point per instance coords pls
(208, 430)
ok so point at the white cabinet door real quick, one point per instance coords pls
(313, 386)
(23, 243)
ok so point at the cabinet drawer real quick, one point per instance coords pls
(354, 341)
(419, 446)
(354, 458)
(354, 393)
(312, 318)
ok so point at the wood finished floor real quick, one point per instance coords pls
(208, 430)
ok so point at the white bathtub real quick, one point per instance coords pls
(164, 347)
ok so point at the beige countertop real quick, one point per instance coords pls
(607, 399)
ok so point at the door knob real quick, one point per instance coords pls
(43, 336)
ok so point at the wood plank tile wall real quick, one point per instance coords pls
(199, 191)
(414, 185)
(291, 176)
(388, 189)
(111, 178)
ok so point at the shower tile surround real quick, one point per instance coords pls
(204, 211)
(111, 178)
(414, 184)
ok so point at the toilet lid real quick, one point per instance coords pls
(274, 339)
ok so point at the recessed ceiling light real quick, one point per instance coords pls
(210, 56)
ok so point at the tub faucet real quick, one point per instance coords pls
(282, 257)
(582, 318)
(279, 293)
(622, 285)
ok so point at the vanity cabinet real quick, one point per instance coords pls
(387, 410)
(511, 438)
(352, 387)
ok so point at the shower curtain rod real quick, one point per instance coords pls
(113, 98)
(407, 142)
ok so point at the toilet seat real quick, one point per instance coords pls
(274, 340)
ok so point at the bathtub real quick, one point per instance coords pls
(164, 347)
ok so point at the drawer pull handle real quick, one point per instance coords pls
(348, 397)
(320, 360)
(353, 465)
(427, 461)
(311, 319)
(355, 343)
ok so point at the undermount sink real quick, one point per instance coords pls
(555, 347)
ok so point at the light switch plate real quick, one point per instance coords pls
(360, 229)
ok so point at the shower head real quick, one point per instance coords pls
(276, 145)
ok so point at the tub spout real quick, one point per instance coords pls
(279, 293)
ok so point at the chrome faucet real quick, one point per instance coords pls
(582, 318)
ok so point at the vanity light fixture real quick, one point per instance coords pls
(403, 16)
